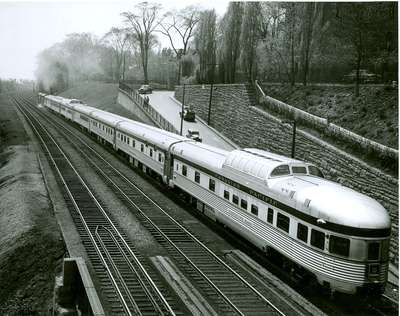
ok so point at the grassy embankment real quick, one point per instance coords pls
(374, 114)
(99, 95)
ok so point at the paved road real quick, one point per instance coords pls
(164, 104)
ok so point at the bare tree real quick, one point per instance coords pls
(230, 44)
(205, 42)
(180, 25)
(250, 35)
(117, 39)
(142, 23)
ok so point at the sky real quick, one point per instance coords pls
(26, 28)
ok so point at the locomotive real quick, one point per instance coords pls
(337, 235)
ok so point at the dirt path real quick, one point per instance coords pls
(31, 247)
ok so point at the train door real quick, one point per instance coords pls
(168, 167)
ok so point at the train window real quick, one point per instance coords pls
(243, 204)
(129, 141)
(339, 245)
(226, 194)
(133, 143)
(211, 185)
(302, 232)
(299, 170)
(270, 216)
(141, 147)
(280, 171)
(151, 152)
(254, 209)
(315, 171)
(184, 170)
(235, 199)
(197, 176)
(159, 157)
(283, 222)
(373, 251)
(317, 239)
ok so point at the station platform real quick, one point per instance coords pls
(165, 104)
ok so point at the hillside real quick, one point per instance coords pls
(374, 114)
(99, 95)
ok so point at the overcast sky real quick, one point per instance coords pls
(26, 28)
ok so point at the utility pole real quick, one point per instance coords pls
(183, 105)
(209, 104)
(211, 95)
(293, 135)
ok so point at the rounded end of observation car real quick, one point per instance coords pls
(341, 205)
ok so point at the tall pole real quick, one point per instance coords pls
(209, 104)
(183, 105)
(294, 139)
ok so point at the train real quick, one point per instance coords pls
(281, 205)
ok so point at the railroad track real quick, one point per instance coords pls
(124, 280)
(226, 289)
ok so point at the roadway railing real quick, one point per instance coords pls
(325, 126)
(147, 108)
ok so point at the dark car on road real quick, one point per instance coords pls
(365, 77)
(188, 114)
(144, 89)
(193, 134)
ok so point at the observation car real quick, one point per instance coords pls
(281, 205)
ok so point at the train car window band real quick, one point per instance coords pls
(280, 171)
(302, 232)
(317, 239)
(211, 185)
(243, 204)
(315, 171)
(270, 216)
(226, 194)
(254, 209)
(283, 222)
(235, 199)
(184, 170)
(197, 177)
(337, 228)
(299, 170)
(339, 245)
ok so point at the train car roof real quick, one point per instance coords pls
(332, 202)
(259, 163)
(162, 139)
(201, 154)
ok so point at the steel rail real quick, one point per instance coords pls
(172, 219)
(155, 305)
(155, 288)
(120, 296)
(120, 277)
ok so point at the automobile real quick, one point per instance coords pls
(193, 134)
(365, 76)
(144, 89)
(188, 114)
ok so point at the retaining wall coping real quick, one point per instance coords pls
(329, 146)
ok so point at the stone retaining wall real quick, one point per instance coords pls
(233, 115)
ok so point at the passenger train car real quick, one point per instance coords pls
(279, 204)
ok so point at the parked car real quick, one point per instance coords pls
(188, 114)
(144, 89)
(365, 77)
(193, 134)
